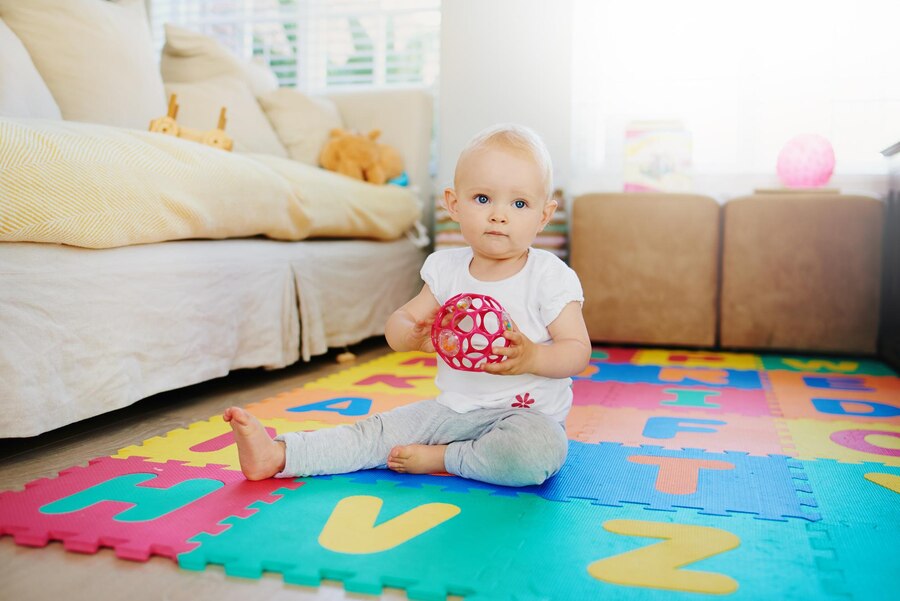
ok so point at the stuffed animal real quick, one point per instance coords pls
(391, 161)
(360, 156)
(215, 137)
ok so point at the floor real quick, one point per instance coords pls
(77, 577)
(690, 475)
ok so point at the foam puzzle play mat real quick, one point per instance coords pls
(691, 475)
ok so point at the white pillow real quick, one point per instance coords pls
(303, 123)
(96, 57)
(199, 104)
(22, 91)
(206, 77)
(260, 77)
(189, 56)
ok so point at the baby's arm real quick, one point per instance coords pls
(409, 327)
(567, 354)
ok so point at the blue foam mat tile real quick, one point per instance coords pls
(444, 482)
(767, 487)
(650, 374)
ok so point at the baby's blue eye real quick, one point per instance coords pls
(520, 204)
(481, 199)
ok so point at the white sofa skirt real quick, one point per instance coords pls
(84, 332)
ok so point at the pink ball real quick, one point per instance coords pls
(806, 161)
(466, 329)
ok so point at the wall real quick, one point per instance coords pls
(511, 60)
(504, 61)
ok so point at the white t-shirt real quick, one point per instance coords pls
(533, 297)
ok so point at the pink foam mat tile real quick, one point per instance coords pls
(757, 435)
(836, 397)
(672, 398)
(135, 507)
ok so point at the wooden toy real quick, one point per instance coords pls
(216, 138)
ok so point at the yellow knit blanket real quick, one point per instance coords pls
(99, 187)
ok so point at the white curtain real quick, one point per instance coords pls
(742, 78)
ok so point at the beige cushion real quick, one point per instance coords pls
(206, 77)
(302, 122)
(801, 272)
(22, 91)
(98, 187)
(648, 265)
(96, 57)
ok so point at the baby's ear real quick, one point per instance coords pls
(547, 213)
(451, 202)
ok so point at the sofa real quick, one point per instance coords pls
(778, 271)
(134, 262)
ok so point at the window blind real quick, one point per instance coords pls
(317, 45)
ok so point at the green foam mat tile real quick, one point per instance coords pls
(427, 541)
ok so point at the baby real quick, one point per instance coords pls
(502, 425)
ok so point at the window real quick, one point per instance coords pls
(741, 77)
(320, 44)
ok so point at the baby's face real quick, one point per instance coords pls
(500, 201)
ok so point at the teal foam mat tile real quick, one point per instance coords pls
(428, 541)
(864, 555)
(854, 493)
(594, 552)
(826, 365)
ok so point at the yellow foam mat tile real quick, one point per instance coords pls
(408, 363)
(844, 440)
(685, 358)
(209, 442)
(375, 377)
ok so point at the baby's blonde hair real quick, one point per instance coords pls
(515, 137)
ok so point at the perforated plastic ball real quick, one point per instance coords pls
(467, 328)
(806, 161)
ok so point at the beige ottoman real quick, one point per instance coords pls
(801, 272)
(648, 264)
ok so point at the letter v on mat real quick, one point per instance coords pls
(351, 527)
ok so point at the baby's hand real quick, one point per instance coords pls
(520, 352)
(420, 334)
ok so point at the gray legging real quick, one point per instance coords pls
(512, 447)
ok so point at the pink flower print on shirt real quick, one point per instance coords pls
(523, 402)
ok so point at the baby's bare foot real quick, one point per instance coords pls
(417, 458)
(260, 456)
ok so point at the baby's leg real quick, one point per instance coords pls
(417, 458)
(260, 456)
(523, 448)
(363, 445)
